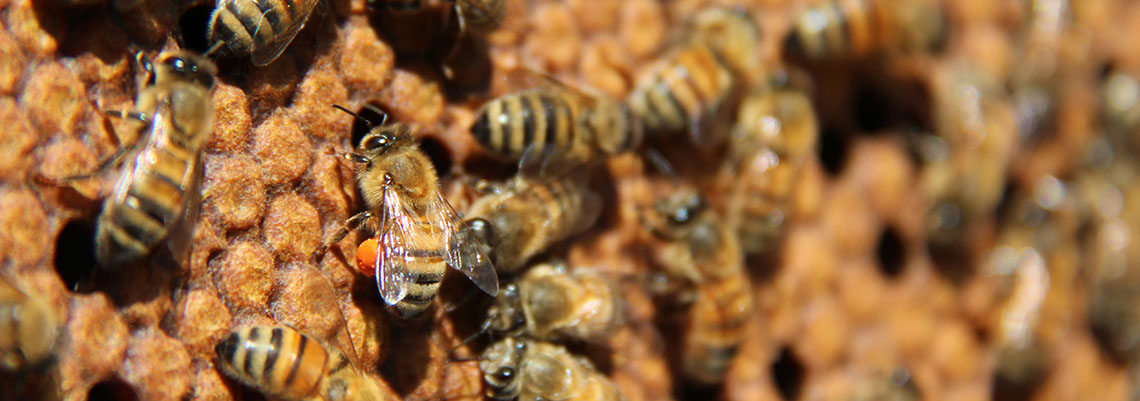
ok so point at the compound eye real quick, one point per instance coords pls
(376, 142)
(504, 373)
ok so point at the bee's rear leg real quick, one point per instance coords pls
(352, 224)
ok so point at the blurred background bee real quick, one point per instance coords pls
(965, 165)
(516, 221)
(259, 29)
(687, 88)
(529, 370)
(155, 196)
(550, 303)
(1035, 264)
(573, 126)
(692, 246)
(283, 362)
(417, 230)
(775, 135)
(29, 333)
(836, 29)
(28, 329)
(1120, 108)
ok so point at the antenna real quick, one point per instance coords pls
(357, 116)
(217, 45)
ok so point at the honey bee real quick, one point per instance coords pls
(516, 221)
(283, 362)
(550, 303)
(965, 163)
(259, 29)
(574, 126)
(529, 370)
(155, 196)
(775, 134)
(836, 29)
(690, 243)
(418, 231)
(1120, 107)
(688, 85)
(28, 329)
(478, 15)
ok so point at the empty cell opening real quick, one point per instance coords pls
(891, 252)
(788, 374)
(833, 148)
(192, 28)
(74, 257)
(113, 389)
(439, 154)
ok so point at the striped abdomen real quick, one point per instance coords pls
(716, 326)
(677, 91)
(427, 266)
(238, 23)
(279, 361)
(834, 29)
(148, 197)
(512, 123)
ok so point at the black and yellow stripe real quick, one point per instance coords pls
(717, 323)
(511, 124)
(239, 24)
(680, 89)
(279, 361)
(132, 225)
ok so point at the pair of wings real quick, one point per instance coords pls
(140, 160)
(263, 54)
(395, 250)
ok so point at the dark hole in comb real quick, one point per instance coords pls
(74, 257)
(192, 28)
(113, 389)
(891, 252)
(788, 373)
(833, 147)
(439, 154)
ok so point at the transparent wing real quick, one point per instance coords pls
(299, 10)
(319, 299)
(463, 252)
(396, 226)
(182, 231)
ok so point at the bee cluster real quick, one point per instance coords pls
(767, 199)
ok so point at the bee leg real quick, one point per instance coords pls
(352, 224)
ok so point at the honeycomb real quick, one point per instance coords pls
(853, 291)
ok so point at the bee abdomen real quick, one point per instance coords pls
(681, 89)
(833, 29)
(424, 286)
(239, 24)
(511, 124)
(277, 360)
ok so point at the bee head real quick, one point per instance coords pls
(385, 138)
(185, 67)
(506, 314)
(676, 213)
(500, 365)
